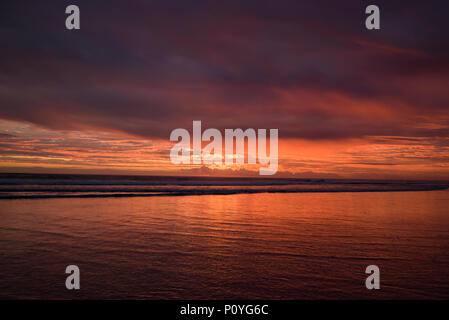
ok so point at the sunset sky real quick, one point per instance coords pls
(348, 102)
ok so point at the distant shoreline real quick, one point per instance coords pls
(88, 176)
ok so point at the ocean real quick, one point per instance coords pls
(222, 238)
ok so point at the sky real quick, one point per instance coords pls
(348, 102)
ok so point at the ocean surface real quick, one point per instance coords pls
(222, 238)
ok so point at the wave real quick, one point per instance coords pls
(38, 186)
(196, 192)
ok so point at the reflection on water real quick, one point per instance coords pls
(267, 246)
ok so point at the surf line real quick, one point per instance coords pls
(182, 152)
